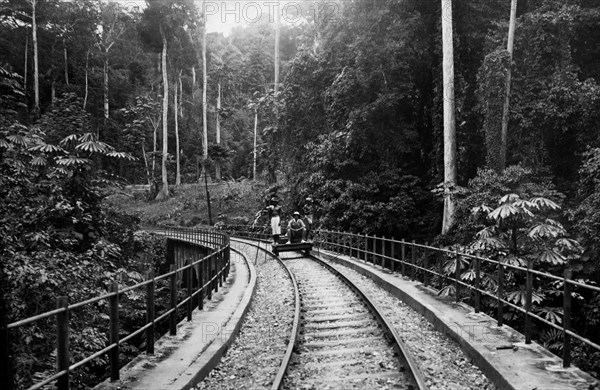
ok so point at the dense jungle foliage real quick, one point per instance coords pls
(356, 123)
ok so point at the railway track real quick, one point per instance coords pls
(340, 339)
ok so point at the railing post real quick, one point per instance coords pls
(393, 255)
(528, 296)
(403, 258)
(113, 303)
(500, 294)
(413, 255)
(375, 242)
(190, 280)
(150, 313)
(209, 276)
(383, 247)
(221, 257)
(381, 250)
(440, 263)
(173, 305)
(426, 267)
(567, 319)
(62, 341)
(366, 248)
(228, 257)
(457, 278)
(344, 244)
(201, 285)
(477, 285)
(216, 270)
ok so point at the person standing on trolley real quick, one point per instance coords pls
(275, 215)
(308, 211)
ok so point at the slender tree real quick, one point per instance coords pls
(506, 108)
(26, 64)
(449, 119)
(276, 60)
(164, 192)
(176, 111)
(204, 85)
(112, 30)
(254, 149)
(162, 22)
(36, 73)
(87, 63)
(218, 126)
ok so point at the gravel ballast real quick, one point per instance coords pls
(443, 363)
(254, 358)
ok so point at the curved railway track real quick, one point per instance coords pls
(339, 339)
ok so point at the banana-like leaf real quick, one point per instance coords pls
(68, 139)
(569, 245)
(519, 297)
(545, 203)
(39, 161)
(73, 161)
(122, 155)
(509, 198)
(481, 209)
(47, 148)
(87, 137)
(552, 314)
(551, 256)
(94, 147)
(524, 204)
(17, 139)
(545, 230)
(504, 211)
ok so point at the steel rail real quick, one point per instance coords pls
(278, 381)
(403, 353)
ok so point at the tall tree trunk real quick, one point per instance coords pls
(175, 104)
(87, 62)
(155, 148)
(66, 62)
(506, 108)
(277, 37)
(148, 177)
(204, 84)
(36, 74)
(254, 150)
(52, 88)
(164, 192)
(218, 126)
(180, 96)
(449, 119)
(26, 60)
(105, 86)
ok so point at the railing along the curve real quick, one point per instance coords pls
(212, 269)
(415, 261)
(425, 263)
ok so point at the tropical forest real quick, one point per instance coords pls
(472, 125)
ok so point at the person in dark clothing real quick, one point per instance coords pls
(296, 229)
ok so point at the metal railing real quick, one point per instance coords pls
(426, 264)
(257, 233)
(211, 272)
